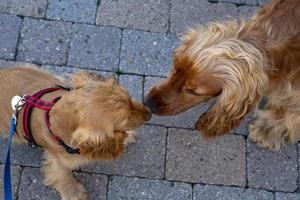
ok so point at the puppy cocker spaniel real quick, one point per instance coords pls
(239, 62)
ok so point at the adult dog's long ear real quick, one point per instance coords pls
(102, 143)
(240, 69)
(81, 78)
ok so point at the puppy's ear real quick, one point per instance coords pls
(104, 144)
(81, 78)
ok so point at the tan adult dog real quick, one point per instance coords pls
(238, 63)
(96, 116)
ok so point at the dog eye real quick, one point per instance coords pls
(191, 91)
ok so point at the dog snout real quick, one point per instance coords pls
(151, 105)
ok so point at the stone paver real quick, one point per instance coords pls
(134, 85)
(191, 159)
(72, 10)
(287, 196)
(146, 158)
(247, 11)
(44, 42)
(147, 53)
(21, 154)
(263, 2)
(66, 72)
(95, 47)
(33, 179)
(15, 175)
(272, 170)
(196, 12)
(238, 2)
(137, 189)
(32, 8)
(208, 192)
(9, 30)
(149, 15)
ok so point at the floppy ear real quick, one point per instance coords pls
(81, 78)
(240, 70)
(104, 144)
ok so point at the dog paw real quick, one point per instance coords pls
(265, 137)
(131, 138)
(75, 192)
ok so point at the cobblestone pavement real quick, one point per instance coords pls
(134, 40)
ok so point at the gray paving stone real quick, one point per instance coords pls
(65, 72)
(272, 170)
(9, 31)
(21, 154)
(149, 15)
(247, 11)
(242, 129)
(136, 189)
(44, 42)
(191, 159)
(287, 196)
(241, 2)
(72, 10)
(186, 119)
(32, 8)
(263, 2)
(134, 85)
(33, 179)
(15, 176)
(196, 12)
(146, 158)
(94, 47)
(208, 192)
(147, 53)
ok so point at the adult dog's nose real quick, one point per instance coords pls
(150, 104)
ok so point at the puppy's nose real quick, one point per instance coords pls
(151, 105)
(149, 116)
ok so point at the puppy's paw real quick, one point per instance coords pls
(75, 191)
(130, 138)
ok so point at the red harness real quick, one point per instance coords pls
(35, 101)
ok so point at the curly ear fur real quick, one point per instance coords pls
(239, 66)
(99, 144)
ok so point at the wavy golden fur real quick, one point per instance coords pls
(239, 62)
(97, 116)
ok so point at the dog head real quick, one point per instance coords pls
(99, 113)
(212, 62)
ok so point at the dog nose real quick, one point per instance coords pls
(151, 105)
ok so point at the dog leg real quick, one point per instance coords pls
(271, 130)
(59, 176)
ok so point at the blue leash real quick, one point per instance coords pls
(7, 172)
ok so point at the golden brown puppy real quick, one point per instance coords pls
(239, 62)
(96, 116)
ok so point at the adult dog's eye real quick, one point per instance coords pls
(191, 91)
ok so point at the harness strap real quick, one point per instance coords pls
(35, 101)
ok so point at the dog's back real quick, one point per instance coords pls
(19, 81)
(277, 25)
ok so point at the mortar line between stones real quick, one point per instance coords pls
(166, 151)
(297, 148)
(68, 21)
(246, 157)
(143, 88)
(193, 186)
(169, 17)
(20, 179)
(19, 38)
(96, 13)
(120, 50)
(46, 11)
(107, 186)
(72, 35)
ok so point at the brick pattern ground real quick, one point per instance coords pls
(133, 41)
